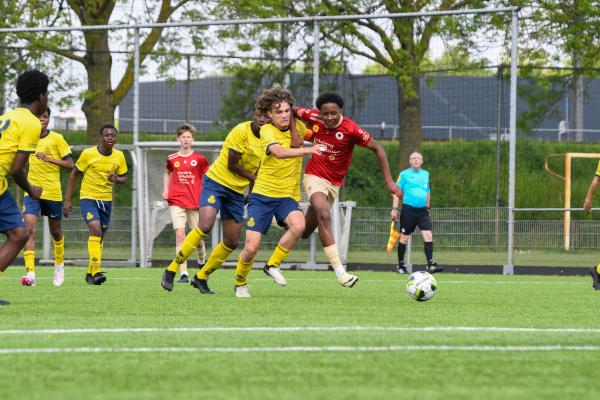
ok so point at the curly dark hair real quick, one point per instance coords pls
(31, 84)
(330, 97)
(185, 127)
(273, 96)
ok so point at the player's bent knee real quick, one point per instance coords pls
(231, 244)
(19, 235)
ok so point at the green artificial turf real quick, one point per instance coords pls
(310, 340)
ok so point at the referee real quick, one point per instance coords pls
(416, 194)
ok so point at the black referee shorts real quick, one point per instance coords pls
(411, 217)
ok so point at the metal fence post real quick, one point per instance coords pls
(508, 268)
(138, 150)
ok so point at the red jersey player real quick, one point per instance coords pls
(182, 188)
(325, 171)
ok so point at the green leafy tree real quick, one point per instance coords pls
(102, 95)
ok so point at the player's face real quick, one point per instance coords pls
(280, 115)
(45, 120)
(186, 140)
(260, 119)
(416, 160)
(109, 137)
(331, 114)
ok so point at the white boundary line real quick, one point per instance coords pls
(299, 349)
(300, 329)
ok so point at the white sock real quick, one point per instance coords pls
(339, 271)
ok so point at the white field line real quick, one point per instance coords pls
(300, 349)
(301, 329)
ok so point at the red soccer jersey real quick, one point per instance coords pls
(332, 164)
(185, 185)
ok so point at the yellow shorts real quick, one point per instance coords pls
(314, 184)
(180, 216)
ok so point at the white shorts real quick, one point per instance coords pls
(180, 216)
(314, 184)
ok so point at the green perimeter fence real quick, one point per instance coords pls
(462, 236)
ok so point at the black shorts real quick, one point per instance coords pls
(411, 217)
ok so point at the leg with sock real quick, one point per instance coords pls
(187, 247)
(58, 240)
(401, 251)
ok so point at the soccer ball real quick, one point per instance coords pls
(421, 286)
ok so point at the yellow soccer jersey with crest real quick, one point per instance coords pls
(96, 168)
(45, 174)
(241, 140)
(279, 177)
(19, 132)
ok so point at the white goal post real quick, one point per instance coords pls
(154, 216)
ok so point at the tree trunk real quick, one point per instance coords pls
(409, 114)
(98, 106)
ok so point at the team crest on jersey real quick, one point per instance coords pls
(315, 128)
(339, 135)
(211, 199)
(89, 216)
(176, 164)
(251, 223)
(193, 163)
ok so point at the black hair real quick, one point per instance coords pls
(329, 97)
(47, 111)
(31, 84)
(108, 126)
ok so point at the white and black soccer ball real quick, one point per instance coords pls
(421, 286)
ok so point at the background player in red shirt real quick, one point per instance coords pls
(326, 169)
(182, 188)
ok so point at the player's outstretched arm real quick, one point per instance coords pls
(68, 206)
(20, 175)
(279, 151)
(587, 204)
(390, 185)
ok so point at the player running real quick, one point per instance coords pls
(325, 171)
(223, 190)
(276, 191)
(101, 166)
(19, 134)
(52, 153)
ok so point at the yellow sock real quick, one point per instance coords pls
(279, 254)
(29, 257)
(241, 271)
(334, 257)
(598, 268)
(59, 251)
(183, 265)
(95, 254)
(215, 260)
(201, 253)
(190, 242)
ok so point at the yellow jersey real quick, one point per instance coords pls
(19, 132)
(279, 177)
(242, 141)
(96, 168)
(44, 174)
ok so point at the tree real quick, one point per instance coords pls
(399, 46)
(559, 40)
(101, 97)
